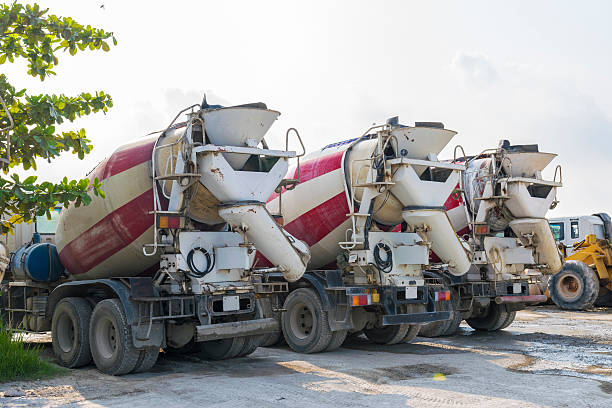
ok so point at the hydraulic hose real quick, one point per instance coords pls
(194, 272)
(387, 265)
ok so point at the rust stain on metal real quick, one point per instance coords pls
(252, 210)
(217, 172)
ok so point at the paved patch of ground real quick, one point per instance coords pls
(547, 357)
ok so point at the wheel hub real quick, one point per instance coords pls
(106, 338)
(570, 287)
(65, 333)
(301, 321)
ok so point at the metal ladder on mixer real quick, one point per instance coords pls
(184, 180)
(371, 188)
(176, 162)
(289, 183)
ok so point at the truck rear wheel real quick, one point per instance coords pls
(305, 323)
(493, 319)
(338, 338)
(574, 287)
(250, 345)
(70, 332)
(222, 349)
(454, 323)
(509, 320)
(413, 331)
(436, 329)
(110, 335)
(604, 298)
(146, 360)
(272, 339)
(190, 348)
(388, 334)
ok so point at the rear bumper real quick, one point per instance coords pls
(393, 300)
(236, 329)
(528, 299)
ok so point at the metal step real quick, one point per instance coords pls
(177, 176)
(376, 183)
(492, 198)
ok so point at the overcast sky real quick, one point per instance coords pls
(527, 71)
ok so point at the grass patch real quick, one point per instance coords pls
(21, 361)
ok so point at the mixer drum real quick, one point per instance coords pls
(105, 238)
(315, 211)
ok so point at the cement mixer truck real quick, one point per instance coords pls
(166, 259)
(344, 203)
(499, 210)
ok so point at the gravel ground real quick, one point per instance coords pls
(547, 357)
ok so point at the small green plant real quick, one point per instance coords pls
(21, 361)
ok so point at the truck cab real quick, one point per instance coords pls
(569, 230)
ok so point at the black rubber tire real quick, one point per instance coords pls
(306, 332)
(272, 339)
(222, 349)
(413, 332)
(338, 338)
(454, 323)
(434, 329)
(250, 345)
(388, 334)
(72, 314)
(509, 320)
(604, 299)
(494, 318)
(146, 360)
(190, 348)
(561, 286)
(112, 347)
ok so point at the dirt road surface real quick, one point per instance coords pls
(546, 358)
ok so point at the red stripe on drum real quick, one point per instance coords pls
(433, 258)
(122, 160)
(261, 261)
(125, 159)
(454, 200)
(463, 231)
(319, 166)
(314, 168)
(98, 173)
(315, 224)
(109, 235)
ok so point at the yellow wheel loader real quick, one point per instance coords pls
(585, 279)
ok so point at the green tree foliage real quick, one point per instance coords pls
(29, 32)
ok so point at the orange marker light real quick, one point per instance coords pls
(167, 221)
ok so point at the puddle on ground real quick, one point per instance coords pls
(554, 354)
(404, 372)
